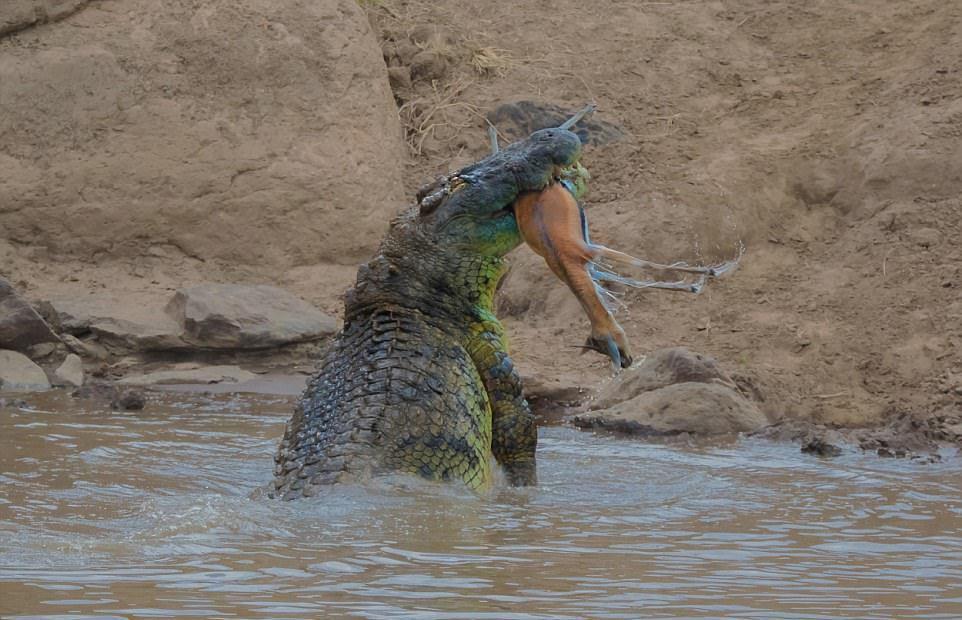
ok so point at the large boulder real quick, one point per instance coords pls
(247, 132)
(234, 316)
(20, 325)
(672, 391)
(19, 374)
(120, 324)
(208, 316)
(695, 408)
(660, 369)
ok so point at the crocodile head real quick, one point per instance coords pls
(472, 210)
(444, 255)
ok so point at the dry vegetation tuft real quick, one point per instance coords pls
(440, 117)
(434, 112)
(492, 61)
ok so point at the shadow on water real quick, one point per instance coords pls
(157, 514)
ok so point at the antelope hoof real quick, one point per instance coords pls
(607, 345)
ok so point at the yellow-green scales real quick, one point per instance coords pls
(419, 380)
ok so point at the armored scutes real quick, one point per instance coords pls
(419, 380)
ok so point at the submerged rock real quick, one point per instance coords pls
(917, 435)
(128, 400)
(672, 391)
(21, 327)
(820, 447)
(234, 316)
(120, 398)
(19, 374)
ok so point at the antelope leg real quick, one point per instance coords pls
(607, 336)
(615, 256)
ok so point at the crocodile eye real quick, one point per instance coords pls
(430, 197)
(429, 203)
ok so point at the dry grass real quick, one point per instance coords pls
(492, 61)
(436, 115)
(441, 115)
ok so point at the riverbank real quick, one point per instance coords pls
(825, 139)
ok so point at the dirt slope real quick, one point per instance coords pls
(192, 132)
(825, 138)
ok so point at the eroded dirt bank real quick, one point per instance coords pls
(144, 149)
(825, 138)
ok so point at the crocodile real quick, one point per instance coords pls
(419, 379)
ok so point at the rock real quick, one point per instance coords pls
(425, 35)
(903, 434)
(389, 53)
(48, 314)
(428, 65)
(120, 398)
(42, 350)
(233, 316)
(71, 372)
(695, 408)
(660, 369)
(820, 447)
(672, 391)
(552, 401)
(207, 374)
(889, 453)
(89, 349)
(121, 325)
(399, 77)
(128, 400)
(16, 15)
(954, 431)
(517, 120)
(406, 51)
(21, 327)
(19, 374)
(248, 132)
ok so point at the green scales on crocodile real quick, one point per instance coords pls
(419, 379)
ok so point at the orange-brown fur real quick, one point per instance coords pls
(550, 223)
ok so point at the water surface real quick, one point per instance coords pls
(157, 514)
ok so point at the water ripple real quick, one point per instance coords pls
(152, 515)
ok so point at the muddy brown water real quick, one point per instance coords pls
(156, 514)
